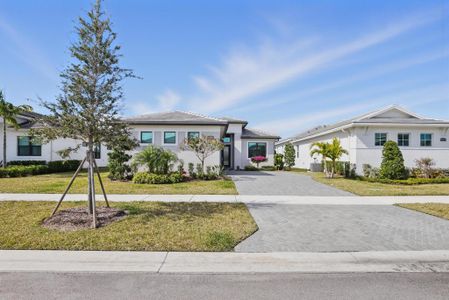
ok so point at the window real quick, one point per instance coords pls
(146, 137)
(169, 137)
(97, 151)
(426, 139)
(257, 149)
(380, 139)
(193, 135)
(226, 139)
(403, 139)
(27, 147)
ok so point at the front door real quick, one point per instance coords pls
(227, 156)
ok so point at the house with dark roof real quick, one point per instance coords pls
(164, 129)
(364, 136)
(170, 129)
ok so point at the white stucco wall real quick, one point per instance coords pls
(368, 153)
(359, 141)
(181, 134)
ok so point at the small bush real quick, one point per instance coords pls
(258, 159)
(269, 168)
(149, 178)
(21, 171)
(299, 169)
(212, 173)
(26, 162)
(63, 165)
(220, 241)
(191, 169)
(279, 161)
(251, 168)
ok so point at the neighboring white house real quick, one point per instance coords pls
(364, 136)
(167, 130)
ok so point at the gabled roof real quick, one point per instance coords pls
(234, 120)
(175, 117)
(392, 114)
(248, 133)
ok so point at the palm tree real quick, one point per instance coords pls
(335, 151)
(9, 112)
(320, 148)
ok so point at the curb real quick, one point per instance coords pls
(223, 262)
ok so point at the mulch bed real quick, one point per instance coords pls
(78, 218)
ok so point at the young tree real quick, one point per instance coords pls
(392, 166)
(203, 147)
(87, 110)
(334, 152)
(9, 112)
(289, 155)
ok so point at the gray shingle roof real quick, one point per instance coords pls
(234, 120)
(175, 117)
(248, 133)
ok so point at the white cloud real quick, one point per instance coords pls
(361, 76)
(166, 101)
(247, 72)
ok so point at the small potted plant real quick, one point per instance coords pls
(258, 159)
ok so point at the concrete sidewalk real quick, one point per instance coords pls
(229, 262)
(274, 199)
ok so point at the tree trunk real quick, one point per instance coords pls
(202, 166)
(90, 200)
(4, 144)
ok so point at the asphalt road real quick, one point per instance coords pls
(262, 286)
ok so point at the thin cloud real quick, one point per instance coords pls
(361, 76)
(166, 101)
(21, 47)
(294, 124)
(245, 73)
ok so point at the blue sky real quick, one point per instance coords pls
(284, 66)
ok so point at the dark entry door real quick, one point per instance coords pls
(227, 156)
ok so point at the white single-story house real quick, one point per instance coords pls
(166, 129)
(364, 136)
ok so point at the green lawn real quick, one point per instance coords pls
(364, 188)
(56, 183)
(151, 226)
(435, 209)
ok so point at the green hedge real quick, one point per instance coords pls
(251, 168)
(63, 165)
(21, 171)
(148, 178)
(37, 169)
(409, 181)
(26, 162)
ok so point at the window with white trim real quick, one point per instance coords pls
(380, 139)
(169, 137)
(257, 149)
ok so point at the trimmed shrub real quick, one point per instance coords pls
(269, 168)
(251, 168)
(409, 181)
(392, 166)
(289, 155)
(26, 162)
(63, 165)
(279, 161)
(212, 173)
(149, 178)
(21, 171)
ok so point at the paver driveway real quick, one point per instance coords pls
(281, 183)
(330, 228)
